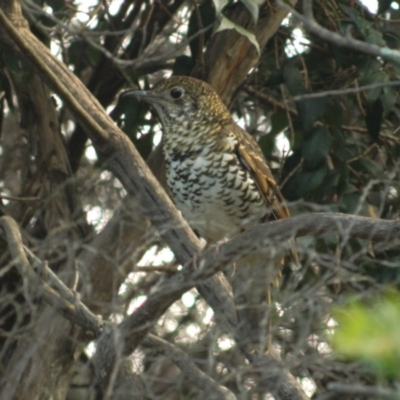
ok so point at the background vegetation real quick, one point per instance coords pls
(321, 96)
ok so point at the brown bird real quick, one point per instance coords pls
(219, 179)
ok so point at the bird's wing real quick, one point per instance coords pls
(251, 157)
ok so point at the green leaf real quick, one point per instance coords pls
(350, 11)
(315, 149)
(279, 122)
(349, 202)
(310, 111)
(362, 24)
(391, 38)
(366, 28)
(388, 98)
(373, 118)
(375, 37)
(374, 94)
(304, 183)
(371, 333)
(293, 79)
(333, 114)
(267, 144)
(228, 24)
(372, 167)
(372, 73)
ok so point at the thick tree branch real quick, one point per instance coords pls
(315, 224)
(112, 145)
(271, 234)
(230, 56)
(64, 301)
(116, 150)
(133, 329)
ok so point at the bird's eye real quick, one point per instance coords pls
(176, 93)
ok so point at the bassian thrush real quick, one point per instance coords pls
(219, 179)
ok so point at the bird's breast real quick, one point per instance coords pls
(215, 193)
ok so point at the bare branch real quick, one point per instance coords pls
(332, 37)
(117, 151)
(230, 56)
(132, 330)
(189, 368)
(53, 290)
(340, 92)
(364, 390)
(261, 236)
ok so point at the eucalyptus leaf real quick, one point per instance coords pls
(219, 5)
(366, 28)
(316, 148)
(253, 6)
(228, 24)
(388, 98)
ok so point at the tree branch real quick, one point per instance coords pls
(50, 287)
(189, 368)
(363, 390)
(64, 301)
(340, 92)
(116, 150)
(133, 329)
(230, 56)
(332, 37)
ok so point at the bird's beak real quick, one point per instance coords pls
(144, 95)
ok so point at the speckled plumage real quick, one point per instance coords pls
(219, 179)
(216, 172)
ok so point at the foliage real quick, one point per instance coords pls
(371, 332)
(335, 152)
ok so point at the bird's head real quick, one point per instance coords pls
(180, 99)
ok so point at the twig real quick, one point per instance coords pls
(269, 100)
(312, 26)
(341, 92)
(262, 236)
(117, 151)
(188, 367)
(156, 268)
(61, 298)
(133, 329)
(13, 198)
(364, 390)
(292, 172)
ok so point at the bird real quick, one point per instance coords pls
(219, 179)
